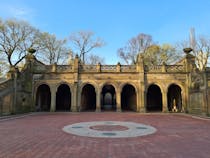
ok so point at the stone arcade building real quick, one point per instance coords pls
(78, 87)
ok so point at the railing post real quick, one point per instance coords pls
(164, 67)
(118, 67)
(98, 67)
(54, 67)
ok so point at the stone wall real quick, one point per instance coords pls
(24, 85)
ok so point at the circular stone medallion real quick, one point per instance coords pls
(109, 129)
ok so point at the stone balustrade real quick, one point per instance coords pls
(128, 68)
(166, 68)
(88, 68)
(64, 68)
(175, 68)
(110, 68)
(5, 87)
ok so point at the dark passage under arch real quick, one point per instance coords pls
(128, 98)
(88, 98)
(43, 98)
(63, 98)
(154, 99)
(174, 98)
(108, 98)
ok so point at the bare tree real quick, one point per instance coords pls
(84, 42)
(201, 49)
(53, 50)
(94, 59)
(3, 64)
(15, 38)
(135, 45)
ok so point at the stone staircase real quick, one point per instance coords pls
(6, 93)
(6, 87)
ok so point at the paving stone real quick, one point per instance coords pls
(41, 136)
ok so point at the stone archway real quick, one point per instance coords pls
(63, 98)
(88, 98)
(128, 98)
(43, 98)
(154, 99)
(174, 98)
(108, 98)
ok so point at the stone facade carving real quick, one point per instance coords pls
(125, 87)
(197, 80)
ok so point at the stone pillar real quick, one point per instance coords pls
(98, 100)
(142, 107)
(75, 104)
(53, 98)
(142, 98)
(138, 104)
(189, 60)
(98, 67)
(141, 93)
(140, 63)
(118, 69)
(164, 67)
(54, 67)
(164, 101)
(118, 101)
(74, 98)
(184, 101)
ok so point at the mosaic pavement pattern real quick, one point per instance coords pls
(87, 129)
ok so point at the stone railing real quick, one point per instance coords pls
(43, 68)
(6, 87)
(175, 68)
(154, 68)
(108, 68)
(64, 68)
(2, 80)
(128, 68)
(165, 68)
(88, 68)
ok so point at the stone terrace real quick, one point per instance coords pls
(41, 136)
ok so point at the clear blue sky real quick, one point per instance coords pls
(115, 21)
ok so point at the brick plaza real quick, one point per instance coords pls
(40, 135)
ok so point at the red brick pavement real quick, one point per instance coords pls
(41, 136)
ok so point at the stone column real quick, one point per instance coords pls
(142, 98)
(184, 101)
(118, 101)
(74, 98)
(164, 101)
(53, 98)
(98, 100)
(138, 104)
(118, 67)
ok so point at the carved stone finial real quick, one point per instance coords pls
(187, 50)
(31, 50)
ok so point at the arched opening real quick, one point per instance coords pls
(128, 98)
(108, 98)
(154, 99)
(88, 98)
(63, 98)
(43, 98)
(174, 98)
